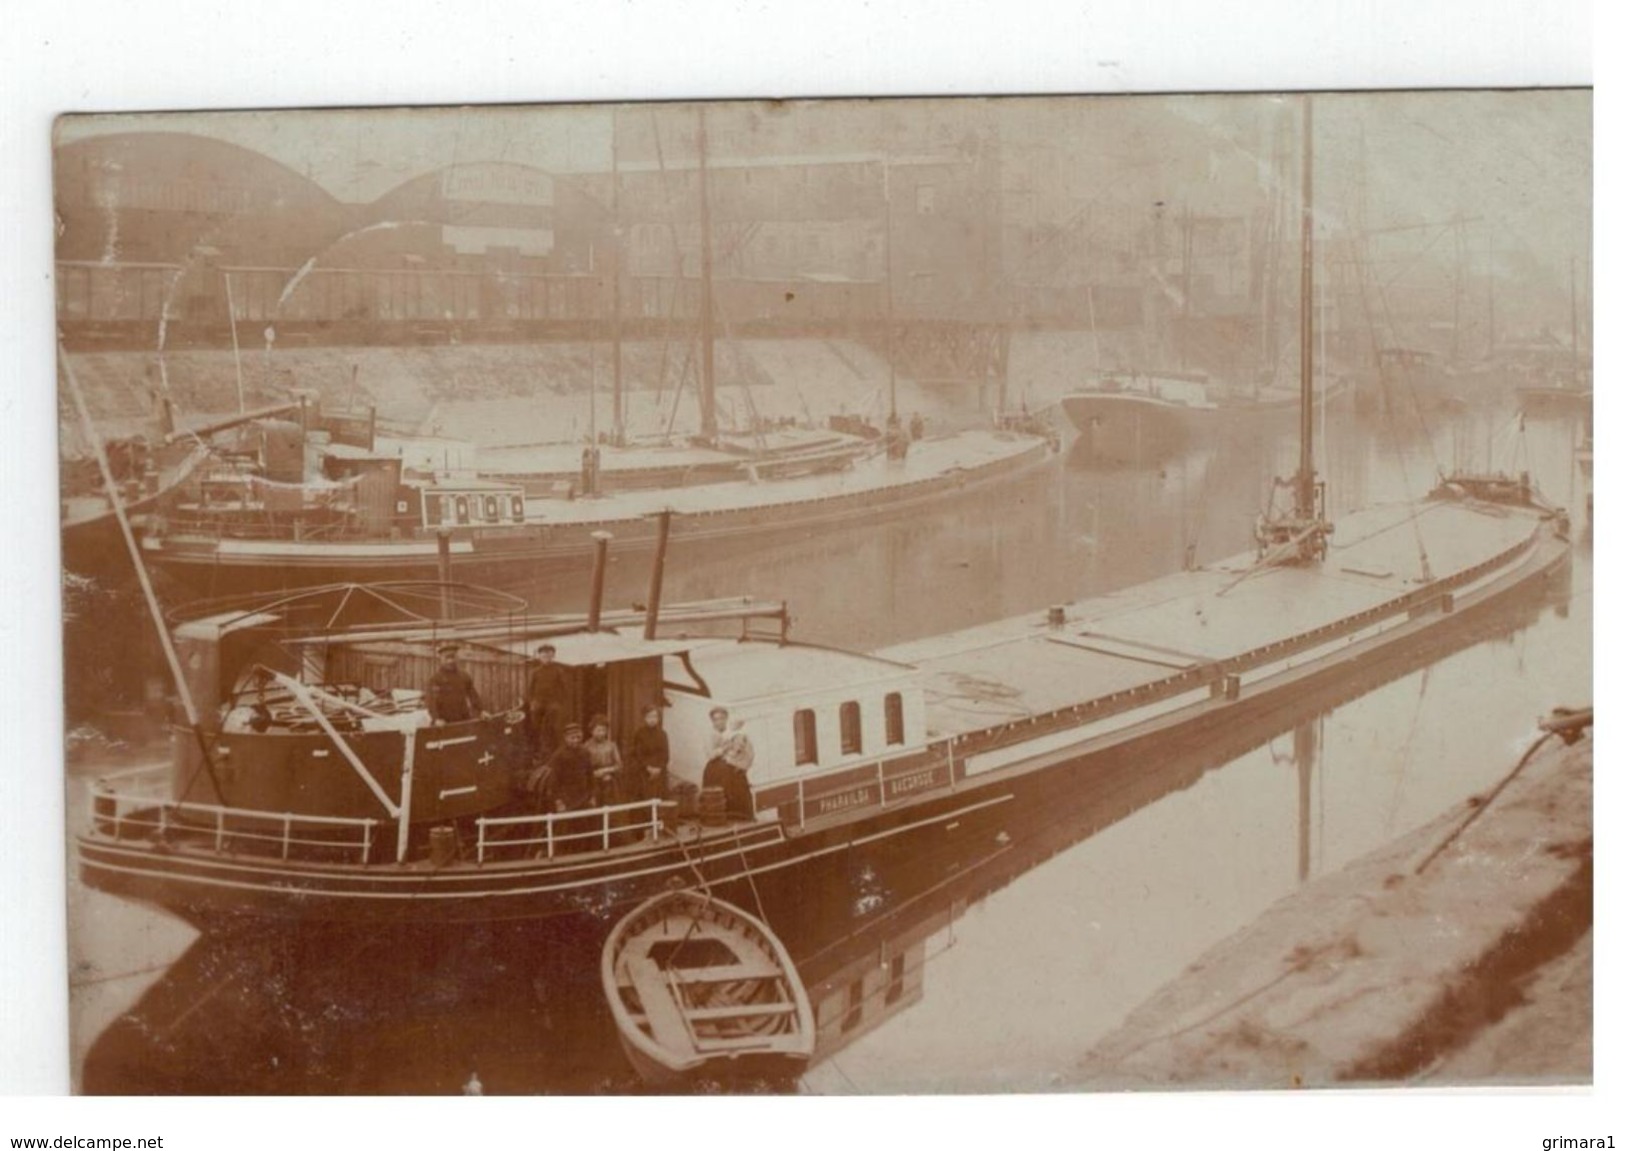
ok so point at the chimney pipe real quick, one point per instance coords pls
(443, 551)
(657, 575)
(600, 562)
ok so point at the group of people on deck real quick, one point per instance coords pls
(581, 768)
(587, 769)
(576, 768)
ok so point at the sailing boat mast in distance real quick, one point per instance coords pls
(1304, 489)
(1299, 536)
(708, 376)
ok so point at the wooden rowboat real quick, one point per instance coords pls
(699, 987)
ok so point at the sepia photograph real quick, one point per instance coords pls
(855, 596)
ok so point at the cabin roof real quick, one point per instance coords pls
(212, 627)
(353, 452)
(462, 485)
(747, 671)
(590, 649)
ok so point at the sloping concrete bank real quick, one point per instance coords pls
(1461, 953)
(495, 394)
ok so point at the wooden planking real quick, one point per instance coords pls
(776, 1043)
(727, 972)
(666, 1024)
(739, 1011)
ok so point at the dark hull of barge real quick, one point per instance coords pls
(509, 557)
(923, 804)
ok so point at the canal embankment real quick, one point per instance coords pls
(1460, 953)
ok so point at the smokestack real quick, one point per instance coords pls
(600, 562)
(657, 575)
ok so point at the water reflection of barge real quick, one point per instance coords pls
(380, 818)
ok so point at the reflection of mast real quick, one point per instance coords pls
(708, 378)
(1305, 749)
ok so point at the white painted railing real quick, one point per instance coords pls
(127, 806)
(542, 835)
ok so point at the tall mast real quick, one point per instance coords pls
(1304, 502)
(708, 378)
(619, 431)
(183, 687)
(891, 319)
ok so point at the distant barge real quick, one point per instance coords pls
(497, 535)
(1137, 417)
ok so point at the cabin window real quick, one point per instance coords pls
(433, 510)
(854, 1006)
(806, 727)
(516, 504)
(894, 718)
(490, 503)
(894, 979)
(462, 509)
(851, 729)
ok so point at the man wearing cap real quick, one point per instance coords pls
(569, 774)
(451, 697)
(544, 701)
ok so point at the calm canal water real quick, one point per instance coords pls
(997, 968)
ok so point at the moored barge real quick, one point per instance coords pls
(922, 740)
(489, 531)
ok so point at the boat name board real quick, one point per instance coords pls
(899, 786)
(841, 801)
(866, 786)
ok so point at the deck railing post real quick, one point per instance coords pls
(287, 831)
(403, 811)
(479, 841)
(606, 829)
(366, 841)
(219, 828)
(550, 837)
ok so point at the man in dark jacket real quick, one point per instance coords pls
(647, 757)
(545, 696)
(451, 697)
(569, 774)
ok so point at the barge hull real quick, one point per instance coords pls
(778, 857)
(506, 557)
